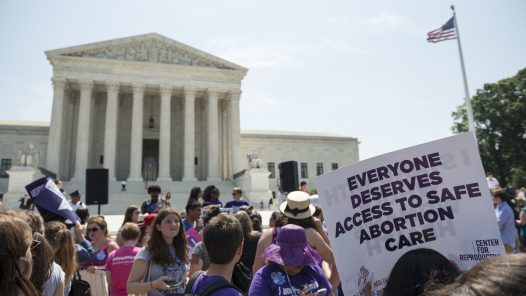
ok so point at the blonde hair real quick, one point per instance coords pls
(63, 246)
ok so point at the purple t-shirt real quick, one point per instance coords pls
(272, 280)
(216, 202)
(119, 263)
(235, 204)
(203, 280)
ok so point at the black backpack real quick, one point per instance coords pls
(208, 289)
(242, 277)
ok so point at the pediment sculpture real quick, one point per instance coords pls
(152, 51)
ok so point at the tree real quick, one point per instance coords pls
(499, 111)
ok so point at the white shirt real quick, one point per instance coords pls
(492, 182)
(79, 205)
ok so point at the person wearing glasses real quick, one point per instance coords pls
(161, 268)
(236, 201)
(47, 275)
(102, 245)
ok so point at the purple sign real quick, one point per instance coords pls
(48, 199)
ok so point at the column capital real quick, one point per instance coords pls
(138, 87)
(112, 86)
(58, 82)
(86, 85)
(165, 89)
(235, 95)
(189, 91)
(213, 93)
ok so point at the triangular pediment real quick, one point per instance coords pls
(148, 48)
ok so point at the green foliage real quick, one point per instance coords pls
(499, 110)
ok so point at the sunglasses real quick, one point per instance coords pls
(34, 244)
(94, 229)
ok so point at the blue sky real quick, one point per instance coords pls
(357, 68)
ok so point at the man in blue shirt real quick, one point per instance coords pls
(236, 202)
(505, 219)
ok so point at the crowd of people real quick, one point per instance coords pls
(207, 250)
(510, 211)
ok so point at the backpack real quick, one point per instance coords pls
(207, 290)
(242, 277)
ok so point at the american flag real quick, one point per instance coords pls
(446, 32)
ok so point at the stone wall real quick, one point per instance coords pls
(307, 148)
(15, 138)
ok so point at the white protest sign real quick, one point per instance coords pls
(432, 195)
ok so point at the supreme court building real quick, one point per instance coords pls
(149, 108)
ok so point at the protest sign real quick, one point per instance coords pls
(432, 195)
(49, 200)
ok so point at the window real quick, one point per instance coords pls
(304, 170)
(334, 166)
(271, 169)
(4, 166)
(319, 169)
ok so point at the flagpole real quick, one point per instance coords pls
(471, 123)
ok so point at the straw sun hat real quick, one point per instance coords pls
(297, 205)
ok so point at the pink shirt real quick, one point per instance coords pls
(119, 263)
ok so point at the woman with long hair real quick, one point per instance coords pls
(47, 276)
(251, 238)
(211, 196)
(15, 257)
(63, 245)
(160, 268)
(196, 193)
(97, 231)
(131, 215)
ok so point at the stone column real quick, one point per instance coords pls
(136, 133)
(235, 131)
(110, 134)
(189, 134)
(164, 135)
(227, 153)
(213, 137)
(83, 130)
(55, 127)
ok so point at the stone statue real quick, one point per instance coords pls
(29, 156)
(254, 161)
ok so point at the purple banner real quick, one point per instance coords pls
(48, 199)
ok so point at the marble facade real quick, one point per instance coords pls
(144, 107)
(106, 94)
